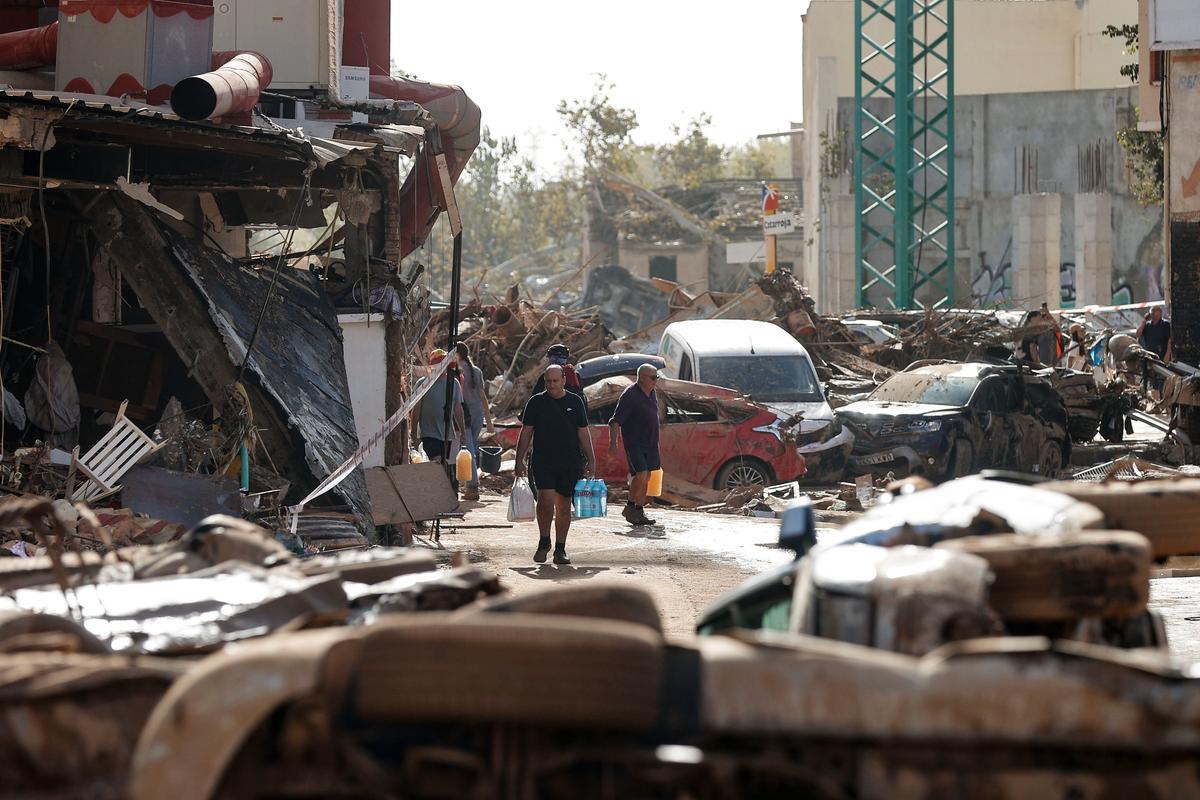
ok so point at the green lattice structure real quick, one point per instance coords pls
(904, 152)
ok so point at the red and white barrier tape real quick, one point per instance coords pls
(389, 425)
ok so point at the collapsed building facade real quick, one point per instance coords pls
(162, 237)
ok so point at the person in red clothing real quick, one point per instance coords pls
(560, 355)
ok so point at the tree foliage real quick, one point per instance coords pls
(1143, 149)
(692, 158)
(519, 220)
(603, 131)
(509, 210)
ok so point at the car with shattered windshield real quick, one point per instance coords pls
(767, 364)
(945, 420)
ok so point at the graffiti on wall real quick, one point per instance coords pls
(992, 284)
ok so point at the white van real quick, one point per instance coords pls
(766, 363)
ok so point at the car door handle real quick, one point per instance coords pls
(714, 434)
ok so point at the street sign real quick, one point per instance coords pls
(778, 224)
(745, 252)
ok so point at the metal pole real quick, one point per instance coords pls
(951, 209)
(452, 339)
(859, 153)
(903, 98)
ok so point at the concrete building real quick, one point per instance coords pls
(1043, 208)
(719, 248)
(1169, 80)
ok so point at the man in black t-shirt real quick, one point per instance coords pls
(1155, 334)
(555, 422)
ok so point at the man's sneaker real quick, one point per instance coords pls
(630, 514)
(542, 551)
(560, 556)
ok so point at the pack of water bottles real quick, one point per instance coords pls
(591, 499)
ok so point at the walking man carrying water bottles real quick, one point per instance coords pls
(637, 416)
(555, 422)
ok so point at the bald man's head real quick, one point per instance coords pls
(647, 376)
(556, 380)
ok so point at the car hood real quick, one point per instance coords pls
(887, 408)
(816, 415)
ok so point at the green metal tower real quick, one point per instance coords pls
(904, 152)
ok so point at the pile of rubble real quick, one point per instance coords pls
(118, 678)
(508, 342)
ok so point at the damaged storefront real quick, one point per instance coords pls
(187, 277)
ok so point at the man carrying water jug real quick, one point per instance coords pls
(637, 416)
(556, 424)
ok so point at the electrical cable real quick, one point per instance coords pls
(295, 219)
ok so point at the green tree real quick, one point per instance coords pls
(603, 131)
(508, 211)
(1143, 149)
(692, 158)
(759, 159)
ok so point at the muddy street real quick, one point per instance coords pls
(685, 561)
(689, 559)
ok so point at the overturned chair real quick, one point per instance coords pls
(124, 446)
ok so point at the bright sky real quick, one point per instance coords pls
(670, 60)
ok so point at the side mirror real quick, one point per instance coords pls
(798, 528)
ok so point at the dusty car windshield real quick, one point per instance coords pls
(923, 387)
(767, 379)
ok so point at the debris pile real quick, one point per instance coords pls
(508, 342)
(839, 357)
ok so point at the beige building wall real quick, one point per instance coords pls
(691, 263)
(1000, 45)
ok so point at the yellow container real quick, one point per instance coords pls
(656, 481)
(462, 465)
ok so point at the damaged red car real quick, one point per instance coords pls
(708, 435)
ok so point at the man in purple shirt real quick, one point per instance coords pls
(637, 415)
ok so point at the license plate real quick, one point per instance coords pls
(878, 458)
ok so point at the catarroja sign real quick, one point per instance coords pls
(776, 224)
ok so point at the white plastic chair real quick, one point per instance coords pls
(123, 447)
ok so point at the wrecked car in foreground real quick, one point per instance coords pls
(947, 420)
(973, 558)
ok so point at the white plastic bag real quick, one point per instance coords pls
(521, 505)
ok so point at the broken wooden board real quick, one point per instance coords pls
(685, 494)
(407, 493)
(1164, 511)
(1063, 577)
(179, 496)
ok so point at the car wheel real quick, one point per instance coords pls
(1051, 461)
(743, 472)
(962, 459)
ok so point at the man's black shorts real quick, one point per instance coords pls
(559, 477)
(643, 459)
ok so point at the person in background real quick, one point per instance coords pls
(1048, 347)
(637, 416)
(430, 415)
(1077, 349)
(555, 424)
(1029, 341)
(560, 355)
(475, 399)
(1154, 334)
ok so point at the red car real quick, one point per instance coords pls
(708, 435)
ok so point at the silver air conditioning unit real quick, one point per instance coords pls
(301, 38)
